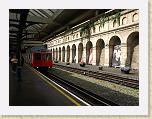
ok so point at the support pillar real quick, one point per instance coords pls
(70, 56)
(58, 55)
(106, 59)
(77, 54)
(94, 56)
(84, 54)
(123, 57)
(65, 54)
(55, 54)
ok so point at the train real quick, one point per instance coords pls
(39, 57)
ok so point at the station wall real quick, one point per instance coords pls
(112, 42)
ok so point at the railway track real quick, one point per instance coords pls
(121, 80)
(84, 94)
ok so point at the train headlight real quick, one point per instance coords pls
(37, 67)
(49, 67)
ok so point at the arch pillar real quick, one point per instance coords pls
(66, 54)
(77, 54)
(94, 55)
(70, 60)
(106, 60)
(123, 57)
(57, 58)
(84, 54)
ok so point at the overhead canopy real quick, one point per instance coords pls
(33, 25)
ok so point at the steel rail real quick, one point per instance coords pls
(84, 94)
(126, 81)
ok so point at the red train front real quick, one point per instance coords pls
(39, 58)
(42, 60)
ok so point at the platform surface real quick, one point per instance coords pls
(33, 91)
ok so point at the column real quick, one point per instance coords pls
(58, 54)
(84, 54)
(61, 54)
(106, 60)
(70, 55)
(94, 55)
(55, 54)
(77, 54)
(65, 54)
(123, 57)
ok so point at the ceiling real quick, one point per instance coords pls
(35, 26)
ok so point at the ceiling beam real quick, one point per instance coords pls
(14, 25)
(57, 13)
(43, 12)
(12, 35)
(14, 20)
(28, 32)
(14, 10)
(38, 19)
(42, 20)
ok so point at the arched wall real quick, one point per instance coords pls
(68, 53)
(89, 47)
(113, 44)
(100, 52)
(63, 54)
(133, 50)
(110, 39)
(56, 54)
(73, 53)
(80, 52)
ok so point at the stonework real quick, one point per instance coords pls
(72, 47)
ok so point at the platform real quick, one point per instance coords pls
(116, 71)
(32, 90)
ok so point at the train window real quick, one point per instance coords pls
(43, 56)
(37, 56)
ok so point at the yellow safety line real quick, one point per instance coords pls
(70, 98)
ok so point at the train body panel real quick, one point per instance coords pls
(39, 58)
(42, 59)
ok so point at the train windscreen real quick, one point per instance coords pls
(37, 56)
(43, 56)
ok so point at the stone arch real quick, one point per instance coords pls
(89, 47)
(100, 52)
(135, 17)
(114, 23)
(63, 54)
(114, 47)
(133, 50)
(80, 52)
(56, 53)
(59, 53)
(73, 53)
(68, 53)
(124, 21)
